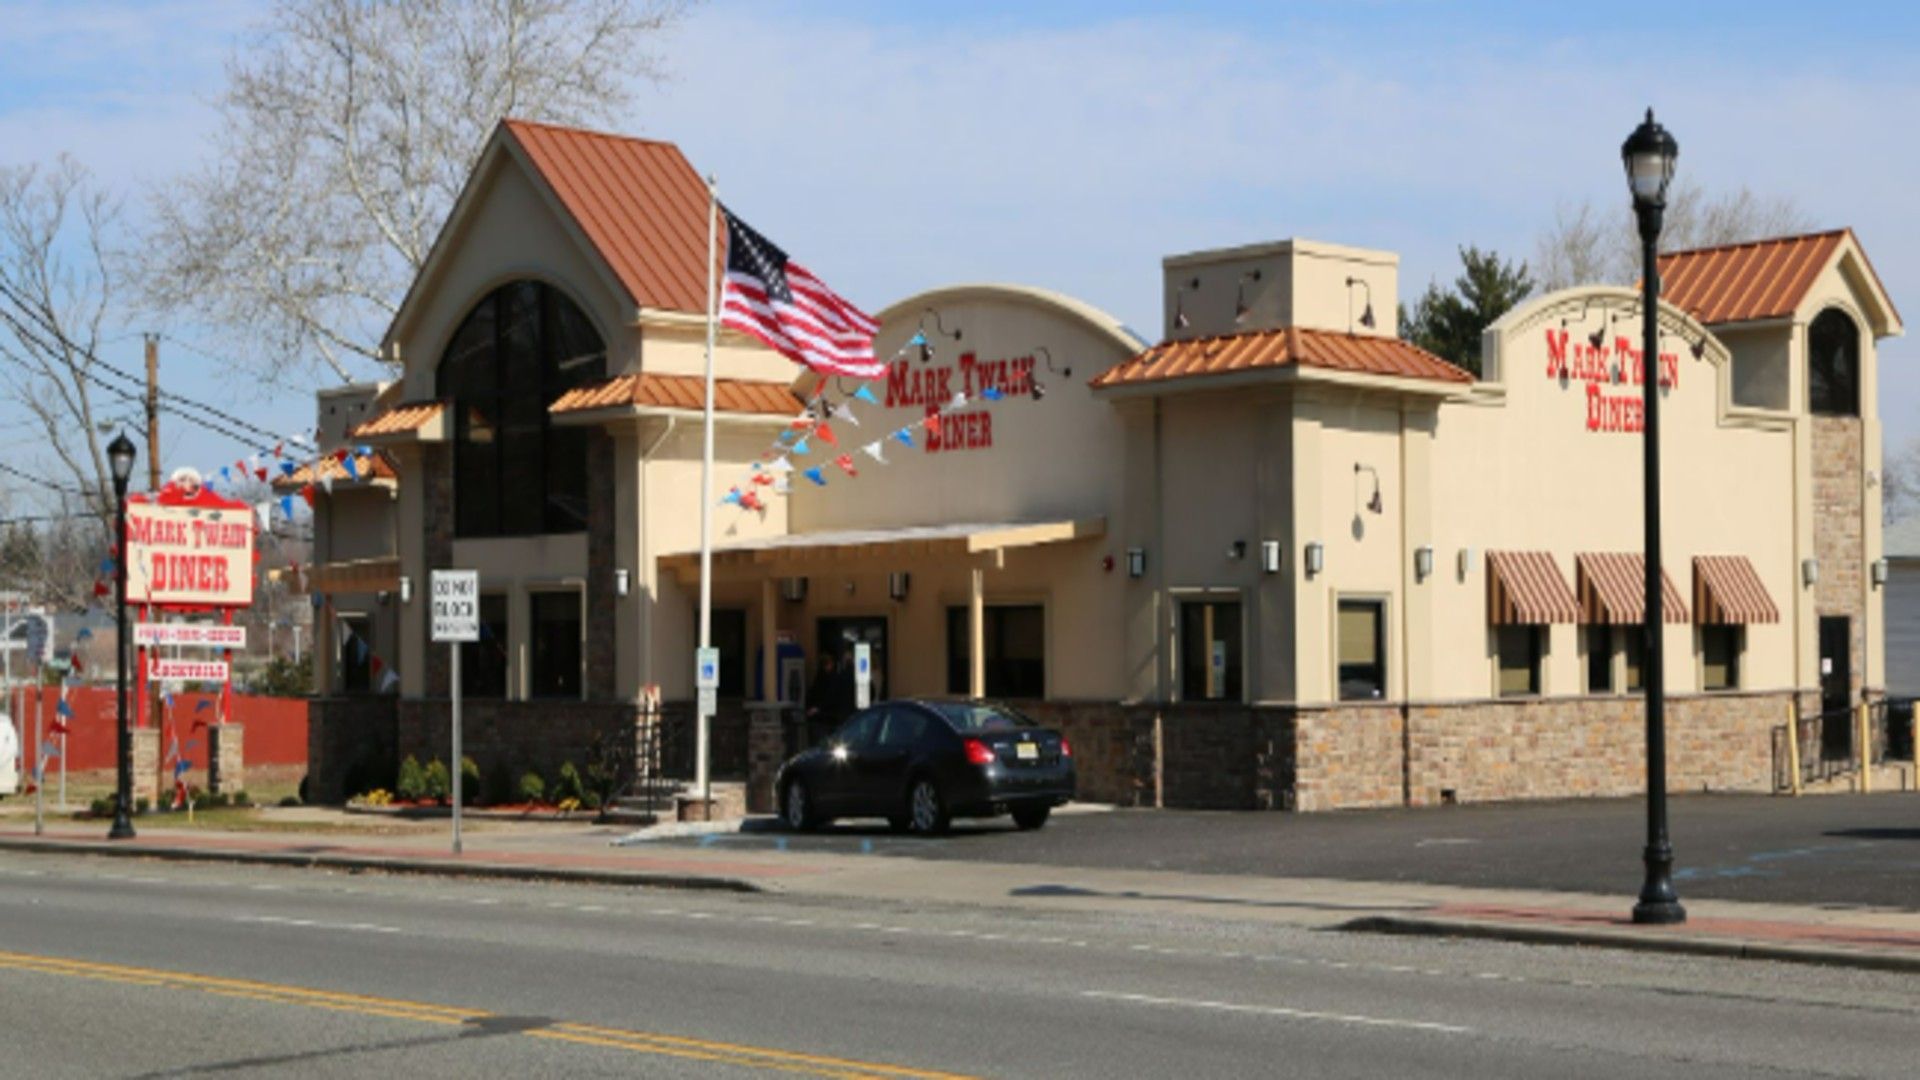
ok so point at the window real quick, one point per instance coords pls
(902, 727)
(1363, 650)
(1720, 657)
(483, 663)
(1599, 641)
(730, 637)
(355, 655)
(1833, 364)
(1016, 650)
(556, 641)
(514, 473)
(1518, 649)
(1633, 641)
(859, 731)
(1210, 650)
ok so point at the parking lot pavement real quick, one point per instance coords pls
(1860, 851)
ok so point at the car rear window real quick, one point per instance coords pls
(971, 716)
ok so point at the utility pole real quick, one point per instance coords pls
(153, 412)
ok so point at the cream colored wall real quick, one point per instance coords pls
(358, 523)
(1055, 458)
(1762, 366)
(681, 349)
(1301, 283)
(514, 231)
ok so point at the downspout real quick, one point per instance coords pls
(646, 558)
(1407, 586)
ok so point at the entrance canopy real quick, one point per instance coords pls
(802, 551)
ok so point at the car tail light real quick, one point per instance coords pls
(979, 753)
(1066, 748)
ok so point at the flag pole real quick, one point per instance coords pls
(703, 722)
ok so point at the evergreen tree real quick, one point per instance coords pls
(1448, 322)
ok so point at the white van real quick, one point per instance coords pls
(9, 756)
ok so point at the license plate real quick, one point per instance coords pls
(1027, 751)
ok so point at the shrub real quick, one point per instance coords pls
(290, 800)
(567, 785)
(197, 796)
(591, 800)
(469, 781)
(142, 804)
(218, 799)
(438, 783)
(241, 798)
(568, 805)
(101, 807)
(376, 797)
(607, 763)
(412, 783)
(532, 788)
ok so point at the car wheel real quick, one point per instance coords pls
(927, 812)
(796, 810)
(1031, 817)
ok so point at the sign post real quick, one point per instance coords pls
(456, 620)
(862, 675)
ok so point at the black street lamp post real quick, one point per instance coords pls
(1649, 154)
(120, 456)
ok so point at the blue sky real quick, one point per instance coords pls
(898, 146)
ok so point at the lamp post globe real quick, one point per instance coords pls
(120, 455)
(1649, 155)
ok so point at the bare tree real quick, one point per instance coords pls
(1900, 481)
(56, 289)
(348, 130)
(1592, 243)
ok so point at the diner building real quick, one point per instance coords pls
(1275, 557)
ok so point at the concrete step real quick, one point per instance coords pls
(1887, 776)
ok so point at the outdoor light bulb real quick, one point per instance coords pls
(120, 454)
(1649, 154)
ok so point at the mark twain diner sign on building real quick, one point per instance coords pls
(1601, 368)
(189, 556)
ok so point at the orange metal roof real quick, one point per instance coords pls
(639, 202)
(1727, 590)
(1228, 353)
(1613, 589)
(681, 392)
(331, 468)
(1525, 587)
(1761, 279)
(401, 419)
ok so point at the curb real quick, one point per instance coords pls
(1724, 948)
(384, 864)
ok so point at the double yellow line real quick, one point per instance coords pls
(641, 1042)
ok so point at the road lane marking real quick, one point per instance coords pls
(1279, 1011)
(640, 1042)
(315, 924)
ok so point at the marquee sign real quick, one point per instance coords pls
(218, 637)
(187, 670)
(931, 388)
(1602, 367)
(189, 556)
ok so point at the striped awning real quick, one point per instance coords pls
(1727, 591)
(1525, 588)
(1613, 589)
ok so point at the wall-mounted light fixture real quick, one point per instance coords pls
(897, 585)
(921, 343)
(406, 589)
(1241, 309)
(1270, 556)
(1809, 571)
(1374, 503)
(1879, 572)
(1366, 314)
(622, 582)
(1237, 550)
(1465, 561)
(1316, 557)
(1423, 562)
(1180, 320)
(1136, 562)
(793, 588)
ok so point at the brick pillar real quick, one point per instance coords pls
(226, 758)
(602, 561)
(146, 765)
(766, 751)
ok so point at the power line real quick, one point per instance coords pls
(64, 489)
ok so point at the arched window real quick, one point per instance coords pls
(1833, 364)
(514, 473)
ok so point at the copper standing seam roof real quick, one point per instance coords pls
(681, 392)
(1613, 589)
(1262, 349)
(1525, 587)
(1761, 279)
(639, 202)
(401, 419)
(376, 467)
(1728, 591)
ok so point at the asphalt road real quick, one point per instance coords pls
(124, 968)
(1835, 849)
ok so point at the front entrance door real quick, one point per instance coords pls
(837, 634)
(1836, 687)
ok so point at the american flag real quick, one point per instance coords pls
(778, 301)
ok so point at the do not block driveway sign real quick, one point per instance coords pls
(456, 605)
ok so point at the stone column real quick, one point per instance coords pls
(146, 765)
(766, 750)
(226, 758)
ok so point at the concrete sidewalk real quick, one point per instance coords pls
(1872, 938)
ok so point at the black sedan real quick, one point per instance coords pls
(920, 764)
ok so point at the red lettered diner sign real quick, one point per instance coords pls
(1606, 372)
(189, 556)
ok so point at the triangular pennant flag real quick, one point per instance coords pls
(353, 470)
(845, 461)
(919, 338)
(991, 393)
(205, 703)
(826, 435)
(85, 633)
(780, 465)
(264, 513)
(872, 450)
(804, 420)
(364, 450)
(287, 468)
(307, 494)
(732, 496)
(286, 506)
(752, 501)
(326, 481)
(63, 709)
(933, 425)
(278, 448)
(959, 400)
(866, 395)
(261, 472)
(814, 474)
(389, 680)
(378, 664)
(844, 411)
(762, 478)
(905, 435)
(800, 446)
